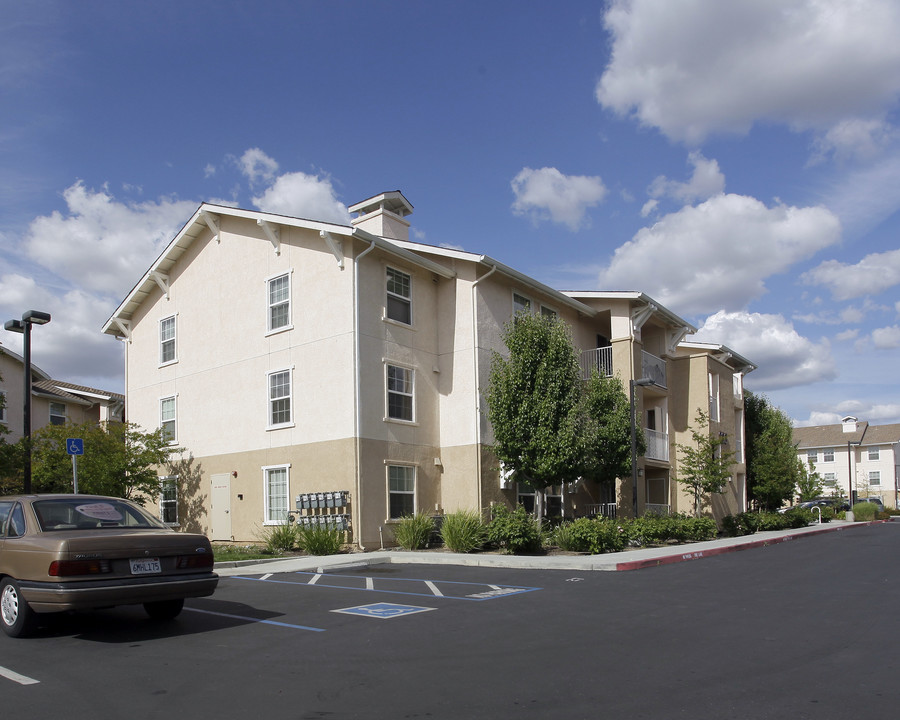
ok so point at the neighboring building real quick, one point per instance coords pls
(298, 359)
(52, 401)
(867, 454)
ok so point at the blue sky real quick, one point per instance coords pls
(739, 162)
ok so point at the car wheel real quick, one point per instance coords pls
(17, 619)
(164, 609)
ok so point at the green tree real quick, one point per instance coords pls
(809, 484)
(534, 402)
(119, 460)
(10, 460)
(772, 470)
(704, 467)
(605, 432)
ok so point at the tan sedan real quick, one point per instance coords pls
(75, 552)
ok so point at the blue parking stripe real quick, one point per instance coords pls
(256, 620)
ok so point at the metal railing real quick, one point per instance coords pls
(607, 510)
(657, 445)
(657, 508)
(653, 367)
(599, 359)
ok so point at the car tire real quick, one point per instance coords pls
(16, 617)
(164, 609)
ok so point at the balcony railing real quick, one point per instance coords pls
(607, 510)
(657, 508)
(654, 368)
(657, 445)
(599, 359)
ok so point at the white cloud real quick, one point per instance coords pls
(886, 338)
(707, 180)
(257, 166)
(783, 357)
(706, 66)
(306, 196)
(871, 275)
(103, 244)
(873, 413)
(718, 254)
(548, 194)
(847, 335)
(863, 139)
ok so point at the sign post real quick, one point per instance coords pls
(75, 447)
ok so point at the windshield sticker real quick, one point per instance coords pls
(100, 511)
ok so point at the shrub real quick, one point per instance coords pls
(864, 511)
(463, 531)
(744, 523)
(772, 521)
(798, 517)
(319, 540)
(414, 531)
(651, 529)
(592, 535)
(515, 531)
(278, 539)
(696, 529)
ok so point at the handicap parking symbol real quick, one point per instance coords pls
(383, 611)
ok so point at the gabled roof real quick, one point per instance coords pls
(657, 308)
(723, 353)
(829, 436)
(36, 372)
(206, 219)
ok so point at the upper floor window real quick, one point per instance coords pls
(812, 456)
(167, 340)
(2, 406)
(57, 413)
(399, 296)
(548, 313)
(280, 398)
(713, 397)
(167, 417)
(521, 304)
(874, 454)
(279, 292)
(399, 393)
(875, 477)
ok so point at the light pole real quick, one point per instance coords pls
(29, 318)
(850, 443)
(632, 384)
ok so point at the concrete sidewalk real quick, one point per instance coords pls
(626, 560)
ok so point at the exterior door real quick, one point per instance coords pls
(220, 507)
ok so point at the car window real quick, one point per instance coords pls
(84, 514)
(16, 523)
(5, 508)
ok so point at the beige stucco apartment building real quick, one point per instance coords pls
(52, 401)
(307, 363)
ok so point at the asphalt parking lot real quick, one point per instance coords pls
(796, 630)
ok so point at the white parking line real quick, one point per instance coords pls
(314, 579)
(15, 677)
(431, 586)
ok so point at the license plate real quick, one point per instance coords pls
(145, 566)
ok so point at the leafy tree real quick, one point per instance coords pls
(10, 460)
(119, 460)
(533, 402)
(809, 484)
(704, 466)
(772, 470)
(605, 431)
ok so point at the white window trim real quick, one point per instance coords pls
(409, 299)
(388, 464)
(875, 477)
(265, 490)
(548, 312)
(50, 415)
(162, 479)
(290, 323)
(159, 340)
(516, 293)
(269, 424)
(877, 454)
(4, 410)
(387, 392)
(174, 398)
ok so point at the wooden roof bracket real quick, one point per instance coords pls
(161, 280)
(272, 232)
(212, 222)
(336, 247)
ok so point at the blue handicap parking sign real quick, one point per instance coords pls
(383, 610)
(75, 446)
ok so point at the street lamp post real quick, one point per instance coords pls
(29, 318)
(850, 443)
(632, 384)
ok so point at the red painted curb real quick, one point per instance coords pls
(712, 552)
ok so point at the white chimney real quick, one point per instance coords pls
(850, 424)
(383, 215)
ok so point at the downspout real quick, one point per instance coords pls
(477, 389)
(356, 394)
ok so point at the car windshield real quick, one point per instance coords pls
(88, 513)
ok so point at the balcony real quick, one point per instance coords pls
(654, 368)
(599, 359)
(657, 445)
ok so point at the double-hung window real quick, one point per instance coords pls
(828, 455)
(521, 304)
(713, 397)
(279, 296)
(167, 340)
(874, 453)
(812, 457)
(167, 419)
(399, 297)
(2, 406)
(57, 413)
(275, 494)
(874, 477)
(399, 393)
(280, 398)
(168, 500)
(401, 491)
